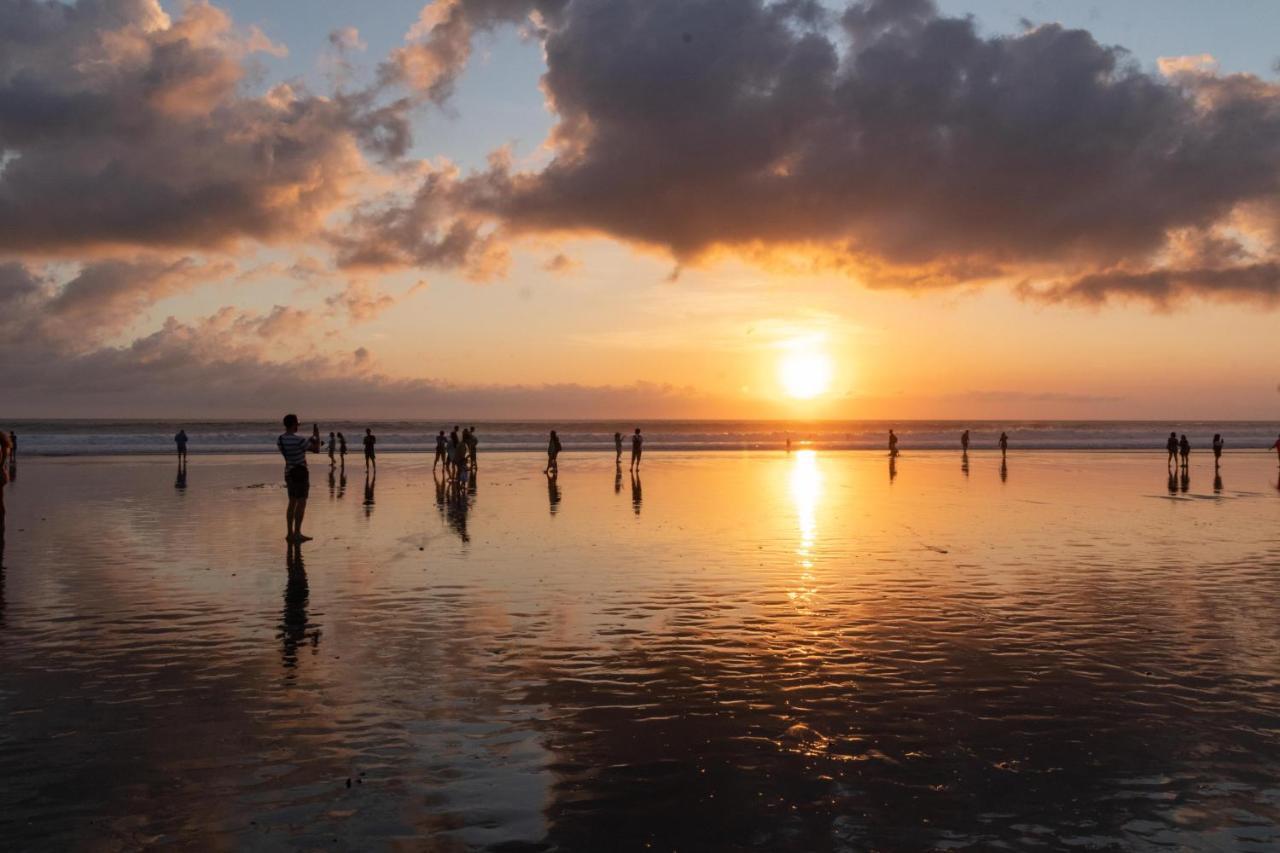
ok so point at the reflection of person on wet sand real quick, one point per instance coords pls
(1217, 481)
(1004, 471)
(893, 468)
(1173, 481)
(636, 496)
(295, 630)
(297, 479)
(1186, 478)
(180, 482)
(964, 462)
(370, 481)
(553, 491)
(617, 479)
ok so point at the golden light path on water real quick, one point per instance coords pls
(806, 493)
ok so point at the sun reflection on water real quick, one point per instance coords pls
(806, 492)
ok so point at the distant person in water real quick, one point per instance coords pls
(442, 446)
(1184, 448)
(297, 479)
(964, 441)
(1004, 444)
(617, 446)
(1217, 449)
(181, 441)
(1172, 446)
(333, 448)
(342, 449)
(637, 447)
(370, 458)
(553, 454)
(893, 443)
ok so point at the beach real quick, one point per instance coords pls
(822, 650)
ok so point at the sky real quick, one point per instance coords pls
(640, 209)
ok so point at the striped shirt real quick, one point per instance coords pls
(293, 448)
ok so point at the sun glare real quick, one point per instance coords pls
(804, 373)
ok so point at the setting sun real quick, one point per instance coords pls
(804, 374)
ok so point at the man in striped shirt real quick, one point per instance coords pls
(297, 479)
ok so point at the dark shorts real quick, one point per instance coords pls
(298, 481)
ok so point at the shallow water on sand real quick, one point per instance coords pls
(805, 652)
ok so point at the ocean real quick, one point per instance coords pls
(130, 437)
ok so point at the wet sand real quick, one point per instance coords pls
(804, 652)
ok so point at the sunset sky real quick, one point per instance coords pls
(649, 208)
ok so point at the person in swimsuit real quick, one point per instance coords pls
(1004, 444)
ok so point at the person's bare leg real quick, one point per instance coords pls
(288, 519)
(297, 521)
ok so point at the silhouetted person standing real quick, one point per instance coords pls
(333, 449)
(1184, 448)
(637, 447)
(553, 454)
(617, 446)
(442, 456)
(964, 442)
(893, 443)
(1217, 449)
(297, 479)
(1276, 445)
(473, 444)
(1004, 444)
(342, 449)
(370, 457)
(181, 441)
(1172, 446)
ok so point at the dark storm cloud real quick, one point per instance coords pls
(892, 139)
(1163, 288)
(119, 126)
